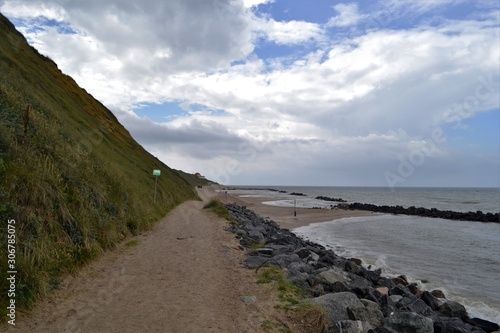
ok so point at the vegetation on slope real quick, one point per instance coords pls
(73, 179)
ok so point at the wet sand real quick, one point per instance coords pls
(284, 216)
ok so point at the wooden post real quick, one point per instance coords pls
(26, 120)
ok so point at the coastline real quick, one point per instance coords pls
(338, 284)
(284, 216)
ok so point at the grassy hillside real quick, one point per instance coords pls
(71, 176)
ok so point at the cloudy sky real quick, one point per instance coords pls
(291, 92)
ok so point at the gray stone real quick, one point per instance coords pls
(396, 298)
(313, 258)
(336, 305)
(453, 309)
(408, 322)
(370, 314)
(450, 325)
(256, 236)
(350, 326)
(256, 261)
(301, 266)
(430, 300)
(264, 251)
(415, 305)
(248, 299)
(286, 259)
(332, 275)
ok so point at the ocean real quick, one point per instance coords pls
(459, 257)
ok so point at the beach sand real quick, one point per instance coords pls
(284, 216)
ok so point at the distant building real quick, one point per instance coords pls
(199, 175)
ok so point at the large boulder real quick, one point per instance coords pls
(485, 325)
(369, 313)
(331, 276)
(415, 305)
(429, 299)
(336, 305)
(408, 322)
(453, 309)
(450, 325)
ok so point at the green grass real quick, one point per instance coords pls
(71, 176)
(311, 317)
(219, 209)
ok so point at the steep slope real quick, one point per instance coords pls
(71, 176)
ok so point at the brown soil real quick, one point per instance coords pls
(183, 276)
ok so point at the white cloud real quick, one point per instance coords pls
(348, 15)
(254, 3)
(27, 8)
(345, 104)
(292, 32)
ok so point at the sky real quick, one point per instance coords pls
(291, 92)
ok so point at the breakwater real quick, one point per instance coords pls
(477, 216)
(356, 298)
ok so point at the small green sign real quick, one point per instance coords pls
(156, 172)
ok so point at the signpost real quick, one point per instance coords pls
(156, 173)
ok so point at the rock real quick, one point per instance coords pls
(414, 289)
(358, 282)
(453, 309)
(301, 266)
(415, 305)
(408, 322)
(400, 280)
(382, 330)
(256, 237)
(387, 305)
(286, 259)
(248, 299)
(336, 305)
(265, 251)
(369, 313)
(256, 261)
(350, 326)
(438, 293)
(430, 300)
(331, 276)
(303, 253)
(372, 276)
(400, 290)
(351, 266)
(395, 298)
(450, 325)
(383, 290)
(485, 325)
(357, 261)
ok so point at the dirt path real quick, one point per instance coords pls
(183, 276)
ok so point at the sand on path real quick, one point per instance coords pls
(185, 275)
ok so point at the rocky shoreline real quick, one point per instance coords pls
(478, 216)
(355, 298)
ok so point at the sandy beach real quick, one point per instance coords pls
(284, 216)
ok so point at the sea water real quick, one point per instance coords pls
(459, 257)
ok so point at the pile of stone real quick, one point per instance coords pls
(355, 298)
(321, 197)
(478, 216)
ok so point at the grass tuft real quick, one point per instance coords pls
(311, 317)
(219, 209)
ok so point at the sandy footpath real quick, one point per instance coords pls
(183, 276)
(284, 216)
